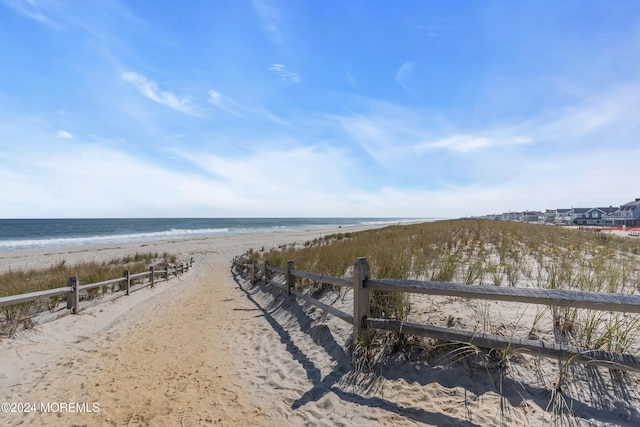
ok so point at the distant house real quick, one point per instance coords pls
(526, 216)
(563, 216)
(531, 216)
(627, 214)
(511, 216)
(603, 213)
(578, 216)
(590, 216)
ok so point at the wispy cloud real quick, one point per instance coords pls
(403, 74)
(468, 143)
(32, 9)
(64, 134)
(284, 74)
(613, 112)
(266, 172)
(351, 80)
(241, 110)
(150, 89)
(434, 31)
(270, 17)
(222, 102)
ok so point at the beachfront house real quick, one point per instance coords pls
(578, 215)
(587, 216)
(600, 214)
(563, 216)
(511, 216)
(590, 216)
(627, 215)
(531, 216)
(550, 216)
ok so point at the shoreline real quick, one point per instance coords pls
(48, 256)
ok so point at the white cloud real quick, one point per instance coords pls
(32, 10)
(271, 18)
(86, 180)
(271, 171)
(403, 74)
(64, 134)
(216, 99)
(150, 89)
(284, 74)
(611, 114)
(468, 143)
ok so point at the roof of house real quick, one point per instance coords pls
(631, 205)
(608, 210)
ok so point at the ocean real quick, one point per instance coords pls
(42, 233)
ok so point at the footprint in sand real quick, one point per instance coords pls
(185, 417)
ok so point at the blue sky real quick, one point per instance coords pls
(114, 108)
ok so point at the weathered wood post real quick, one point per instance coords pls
(290, 278)
(166, 271)
(127, 282)
(73, 298)
(267, 276)
(152, 276)
(360, 301)
(254, 267)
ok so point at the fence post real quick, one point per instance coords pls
(166, 271)
(254, 267)
(360, 300)
(290, 278)
(127, 283)
(73, 298)
(267, 277)
(151, 276)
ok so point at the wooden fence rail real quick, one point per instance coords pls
(363, 323)
(73, 288)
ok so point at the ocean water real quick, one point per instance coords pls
(39, 233)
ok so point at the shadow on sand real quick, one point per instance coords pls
(361, 388)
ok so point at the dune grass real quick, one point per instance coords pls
(15, 282)
(488, 252)
(485, 252)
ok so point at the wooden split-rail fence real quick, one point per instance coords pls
(362, 285)
(74, 288)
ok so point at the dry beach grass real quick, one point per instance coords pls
(499, 254)
(212, 349)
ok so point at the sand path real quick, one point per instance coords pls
(168, 362)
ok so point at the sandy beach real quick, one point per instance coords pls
(208, 348)
(177, 354)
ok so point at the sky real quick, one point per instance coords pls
(274, 108)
